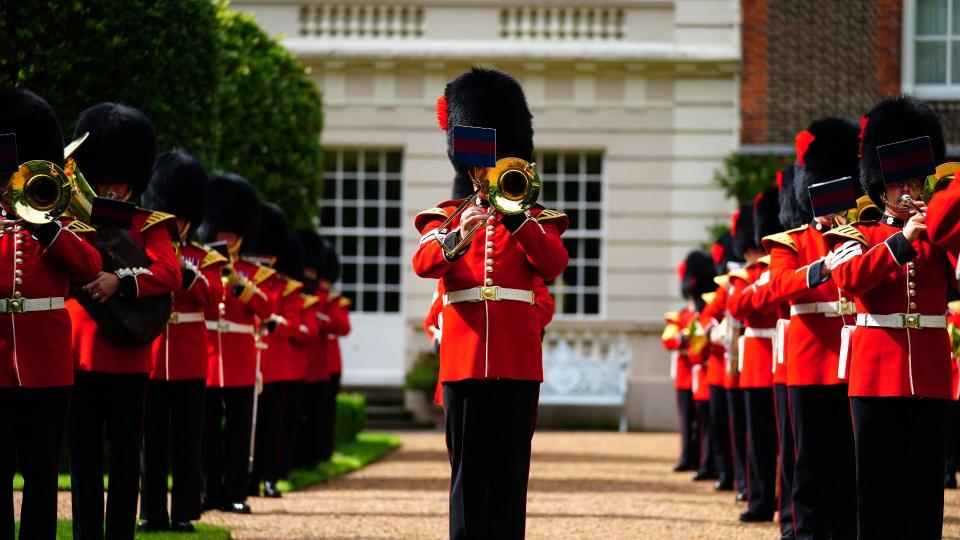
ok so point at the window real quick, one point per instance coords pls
(362, 214)
(931, 48)
(573, 183)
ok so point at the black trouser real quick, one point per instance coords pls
(689, 434)
(824, 479)
(952, 460)
(173, 426)
(708, 458)
(312, 430)
(226, 444)
(32, 423)
(787, 456)
(720, 433)
(736, 409)
(292, 428)
(114, 401)
(899, 449)
(328, 418)
(762, 450)
(489, 427)
(267, 450)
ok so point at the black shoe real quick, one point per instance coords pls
(683, 467)
(237, 508)
(723, 485)
(704, 475)
(183, 527)
(754, 516)
(270, 490)
(253, 490)
(152, 525)
(741, 496)
(950, 482)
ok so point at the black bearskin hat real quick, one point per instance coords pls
(743, 235)
(121, 146)
(331, 263)
(722, 254)
(792, 214)
(271, 239)
(491, 99)
(766, 214)
(697, 275)
(893, 120)
(35, 124)
(232, 205)
(313, 249)
(178, 186)
(292, 262)
(826, 150)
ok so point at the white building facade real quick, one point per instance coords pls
(634, 104)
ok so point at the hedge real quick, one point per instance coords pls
(743, 176)
(351, 417)
(161, 56)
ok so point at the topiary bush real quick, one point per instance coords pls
(161, 56)
(351, 417)
(271, 119)
(424, 374)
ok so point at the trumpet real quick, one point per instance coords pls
(512, 187)
(908, 200)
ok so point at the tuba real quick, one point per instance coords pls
(512, 187)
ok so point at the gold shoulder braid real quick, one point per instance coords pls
(781, 238)
(213, 256)
(549, 214)
(434, 211)
(263, 274)
(848, 231)
(292, 285)
(80, 227)
(154, 218)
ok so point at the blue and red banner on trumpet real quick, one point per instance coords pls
(833, 197)
(474, 146)
(906, 160)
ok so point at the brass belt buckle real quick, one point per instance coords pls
(846, 307)
(15, 305)
(489, 293)
(174, 317)
(223, 325)
(911, 321)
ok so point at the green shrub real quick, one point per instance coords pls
(424, 374)
(271, 118)
(351, 417)
(743, 176)
(161, 56)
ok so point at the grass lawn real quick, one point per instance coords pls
(204, 532)
(368, 447)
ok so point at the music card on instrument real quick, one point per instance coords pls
(474, 146)
(833, 196)
(112, 213)
(906, 160)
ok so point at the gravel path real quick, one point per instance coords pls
(583, 485)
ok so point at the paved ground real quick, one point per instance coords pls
(583, 485)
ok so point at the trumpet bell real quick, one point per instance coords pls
(39, 192)
(513, 185)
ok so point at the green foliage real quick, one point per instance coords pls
(271, 118)
(161, 56)
(349, 457)
(204, 532)
(424, 374)
(351, 417)
(743, 176)
(714, 233)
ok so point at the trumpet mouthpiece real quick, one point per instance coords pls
(906, 198)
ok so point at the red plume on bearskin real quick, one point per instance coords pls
(831, 154)
(802, 142)
(442, 112)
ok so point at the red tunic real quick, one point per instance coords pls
(814, 338)
(180, 352)
(475, 346)
(278, 362)
(757, 351)
(91, 351)
(35, 346)
(305, 334)
(338, 325)
(232, 356)
(316, 345)
(872, 266)
(673, 339)
(943, 218)
(713, 312)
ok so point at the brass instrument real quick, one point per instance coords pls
(512, 187)
(908, 200)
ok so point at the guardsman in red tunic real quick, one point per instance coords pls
(37, 265)
(111, 378)
(899, 365)
(232, 216)
(174, 412)
(754, 359)
(943, 216)
(951, 462)
(275, 363)
(317, 375)
(491, 385)
(300, 331)
(335, 323)
(824, 477)
(719, 429)
(673, 339)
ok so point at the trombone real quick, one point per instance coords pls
(512, 187)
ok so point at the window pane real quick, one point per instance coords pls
(955, 24)
(349, 244)
(328, 216)
(330, 162)
(549, 192)
(931, 62)
(329, 186)
(371, 189)
(570, 304)
(371, 217)
(349, 217)
(394, 162)
(931, 17)
(370, 274)
(392, 274)
(348, 273)
(571, 191)
(393, 246)
(593, 220)
(570, 275)
(955, 62)
(573, 247)
(591, 276)
(571, 165)
(371, 246)
(371, 162)
(574, 216)
(592, 250)
(591, 304)
(350, 160)
(594, 191)
(549, 164)
(593, 163)
(349, 189)
(391, 302)
(393, 190)
(393, 218)
(370, 301)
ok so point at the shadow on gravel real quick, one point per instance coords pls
(542, 485)
(546, 457)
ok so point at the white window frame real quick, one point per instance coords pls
(600, 234)
(336, 234)
(908, 67)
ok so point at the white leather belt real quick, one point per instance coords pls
(230, 327)
(768, 333)
(485, 294)
(27, 305)
(830, 309)
(913, 321)
(178, 317)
